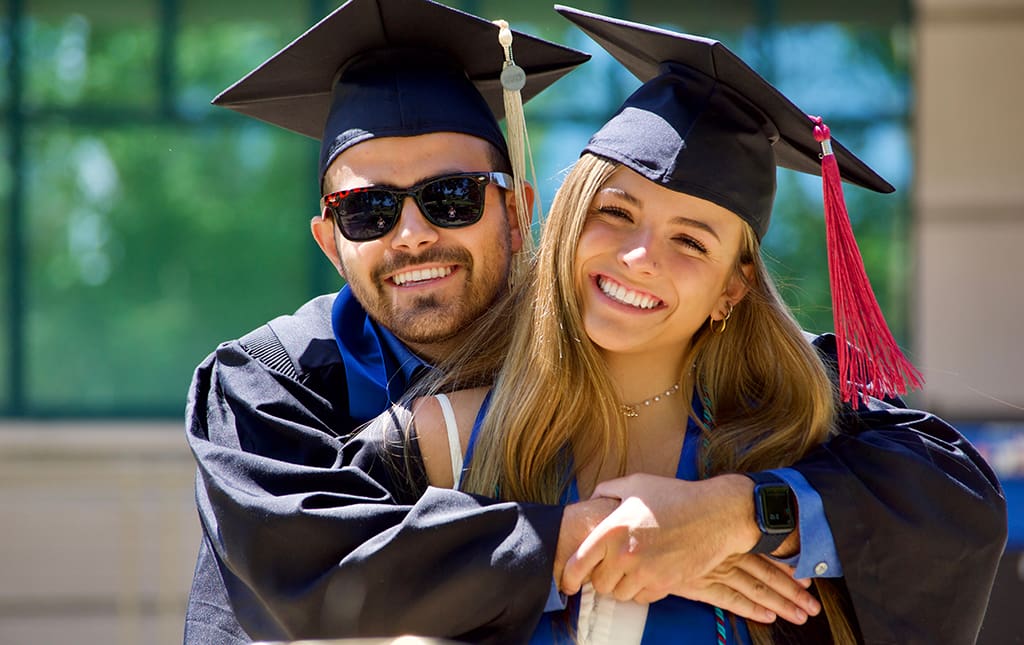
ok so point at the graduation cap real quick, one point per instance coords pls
(383, 68)
(706, 124)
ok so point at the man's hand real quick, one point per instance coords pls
(750, 586)
(690, 539)
(578, 521)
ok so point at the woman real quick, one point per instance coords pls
(638, 302)
(650, 338)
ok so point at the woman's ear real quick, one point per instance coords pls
(322, 227)
(738, 287)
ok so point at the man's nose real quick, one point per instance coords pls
(413, 232)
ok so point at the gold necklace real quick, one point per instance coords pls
(632, 410)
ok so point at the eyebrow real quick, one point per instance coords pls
(623, 195)
(678, 219)
(696, 223)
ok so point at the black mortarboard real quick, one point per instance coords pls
(706, 124)
(375, 68)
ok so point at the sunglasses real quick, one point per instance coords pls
(449, 201)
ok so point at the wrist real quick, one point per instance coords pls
(578, 520)
(774, 512)
(790, 547)
(741, 516)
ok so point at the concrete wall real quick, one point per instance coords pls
(969, 127)
(98, 533)
(969, 228)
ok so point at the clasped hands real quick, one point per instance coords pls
(643, 537)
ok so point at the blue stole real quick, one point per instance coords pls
(379, 368)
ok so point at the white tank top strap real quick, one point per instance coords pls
(454, 442)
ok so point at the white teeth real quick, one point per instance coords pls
(419, 275)
(626, 296)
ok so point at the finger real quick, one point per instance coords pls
(773, 592)
(605, 578)
(629, 585)
(788, 570)
(649, 595)
(737, 603)
(761, 594)
(581, 563)
(613, 488)
(781, 580)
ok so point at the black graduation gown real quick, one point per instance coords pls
(306, 535)
(918, 519)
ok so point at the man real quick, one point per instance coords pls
(301, 538)
(396, 91)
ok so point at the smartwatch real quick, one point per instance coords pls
(774, 511)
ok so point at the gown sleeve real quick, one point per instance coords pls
(306, 535)
(918, 518)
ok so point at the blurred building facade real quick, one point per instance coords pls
(969, 233)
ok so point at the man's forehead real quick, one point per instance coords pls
(405, 161)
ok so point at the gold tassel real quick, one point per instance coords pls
(513, 79)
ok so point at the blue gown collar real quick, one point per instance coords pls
(379, 368)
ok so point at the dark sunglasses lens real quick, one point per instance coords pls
(453, 201)
(366, 215)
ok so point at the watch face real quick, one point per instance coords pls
(775, 511)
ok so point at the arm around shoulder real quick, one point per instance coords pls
(272, 482)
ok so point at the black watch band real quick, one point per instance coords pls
(774, 510)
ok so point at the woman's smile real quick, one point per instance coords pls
(621, 294)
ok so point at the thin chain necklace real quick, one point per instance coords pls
(632, 410)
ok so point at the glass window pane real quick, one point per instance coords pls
(795, 245)
(90, 59)
(149, 246)
(6, 182)
(5, 61)
(843, 72)
(858, 80)
(220, 42)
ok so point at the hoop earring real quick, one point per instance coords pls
(721, 330)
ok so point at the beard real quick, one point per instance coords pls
(434, 319)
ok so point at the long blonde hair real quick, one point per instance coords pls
(768, 394)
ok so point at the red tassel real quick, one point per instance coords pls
(870, 361)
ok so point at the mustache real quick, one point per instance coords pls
(395, 262)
